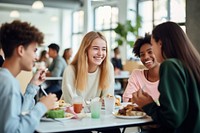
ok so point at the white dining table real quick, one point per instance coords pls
(119, 76)
(122, 75)
(54, 78)
(91, 124)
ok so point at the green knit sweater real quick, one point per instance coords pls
(179, 111)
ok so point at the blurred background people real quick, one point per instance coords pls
(118, 67)
(19, 113)
(146, 79)
(55, 69)
(67, 55)
(44, 57)
(179, 84)
(116, 61)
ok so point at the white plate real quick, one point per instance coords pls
(69, 116)
(140, 115)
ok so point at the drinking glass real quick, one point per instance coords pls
(109, 104)
(77, 104)
(95, 109)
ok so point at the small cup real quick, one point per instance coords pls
(109, 104)
(77, 104)
(119, 98)
(95, 109)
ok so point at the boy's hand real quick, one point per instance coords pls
(49, 100)
(39, 77)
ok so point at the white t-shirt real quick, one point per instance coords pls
(91, 91)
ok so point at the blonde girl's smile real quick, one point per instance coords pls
(97, 52)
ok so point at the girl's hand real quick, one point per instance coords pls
(141, 98)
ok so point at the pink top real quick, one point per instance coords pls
(136, 81)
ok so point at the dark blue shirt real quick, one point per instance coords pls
(117, 63)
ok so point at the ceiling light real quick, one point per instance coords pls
(54, 18)
(14, 14)
(38, 4)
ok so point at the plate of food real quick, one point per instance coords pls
(132, 115)
(59, 119)
(60, 115)
(129, 112)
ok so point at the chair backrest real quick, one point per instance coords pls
(131, 65)
(24, 78)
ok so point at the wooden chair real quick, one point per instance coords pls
(131, 65)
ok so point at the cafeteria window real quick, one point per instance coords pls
(154, 12)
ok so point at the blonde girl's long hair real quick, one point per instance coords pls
(80, 63)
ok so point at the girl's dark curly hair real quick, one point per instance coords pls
(139, 42)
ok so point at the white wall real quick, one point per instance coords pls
(124, 14)
(54, 31)
(66, 29)
(58, 31)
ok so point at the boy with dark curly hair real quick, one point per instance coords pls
(18, 112)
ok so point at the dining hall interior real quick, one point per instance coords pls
(65, 22)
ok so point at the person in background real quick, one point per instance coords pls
(179, 84)
(98, 80)
(146, 79)
(116, 61)
(67, 55)
(56, 69)
(44, 57)
(18, 112)
(118, 67)
(1, 56)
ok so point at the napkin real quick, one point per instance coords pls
(76, 116)
(71, 110)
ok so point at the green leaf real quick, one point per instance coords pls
(120, 42)
(131, 43)
(122, 30)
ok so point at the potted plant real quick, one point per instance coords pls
(123, 30)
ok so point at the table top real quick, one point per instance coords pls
(54, 78)
(90, 124)
(121, 76)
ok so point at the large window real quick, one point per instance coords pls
(105, 20)
(77, 30)
(154, 12)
